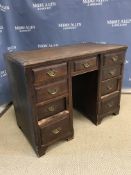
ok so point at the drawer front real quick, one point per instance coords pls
(46, 74)
(85, 64)
(111, 72)
(48, 92)
(113, 58)
(109, 86)
(109, 104)
(52, 108)
(57, 128)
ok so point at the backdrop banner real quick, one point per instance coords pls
(35, 24)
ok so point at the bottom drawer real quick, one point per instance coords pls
(55, 128)
(109, 103)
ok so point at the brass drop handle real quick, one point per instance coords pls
(56, 131)
(52, 91)
(109, 87)
(51, 73)
(51, 108)
(110, 105)
(112, 72)
(115, 58)
(86, 65)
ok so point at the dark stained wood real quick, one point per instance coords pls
(109, 103)
(46, 74)
(51, 108)
(84, 90)
(111, 71)
(110, 86)
(47, 83)
(28, 58)
(50, 91)
(55, 128)
(113, 58)
(21, 100)
(85, 64)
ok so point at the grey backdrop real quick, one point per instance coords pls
(31, 24)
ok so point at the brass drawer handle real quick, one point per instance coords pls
(109, 87)
(110, 105)
(51, 108)
(56, 131)
(115, 58)
(112, 72)
(51, 73)
(52, 91)
(86, 65)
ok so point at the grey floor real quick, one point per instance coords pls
(95, 150)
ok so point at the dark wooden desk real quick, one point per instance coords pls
(47, 83)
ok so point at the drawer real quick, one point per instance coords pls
(50, 109)
(109, 103)
(48, 92)
(113, 58)
(111, 72)
(85, 64)
(109, 86)
(55, 128)
(47, 74)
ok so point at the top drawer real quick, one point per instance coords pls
(113, 58)
(47, 74)
(85, 64)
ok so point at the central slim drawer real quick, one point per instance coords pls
(85, 64)
(52, 90)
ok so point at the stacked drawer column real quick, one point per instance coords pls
(51, 91)
(110, 83)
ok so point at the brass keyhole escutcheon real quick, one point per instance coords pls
(51, 73)
(56, 131)
(51, 108)
(86, 65)
(52, 91)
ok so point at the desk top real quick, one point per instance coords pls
(32, 57)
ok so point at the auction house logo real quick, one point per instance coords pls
(119, 22)
(11, 48)
(3, 73)
(4, 8)
(24, 28)
(94, 2)
(47, 45)
(1, 29)
(69, 26)
(44, 6)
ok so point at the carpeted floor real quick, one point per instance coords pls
(95, 150)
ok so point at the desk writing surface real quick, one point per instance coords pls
(62, 52)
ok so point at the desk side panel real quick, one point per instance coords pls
(22, 104)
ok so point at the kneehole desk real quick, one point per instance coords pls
(48, 83)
